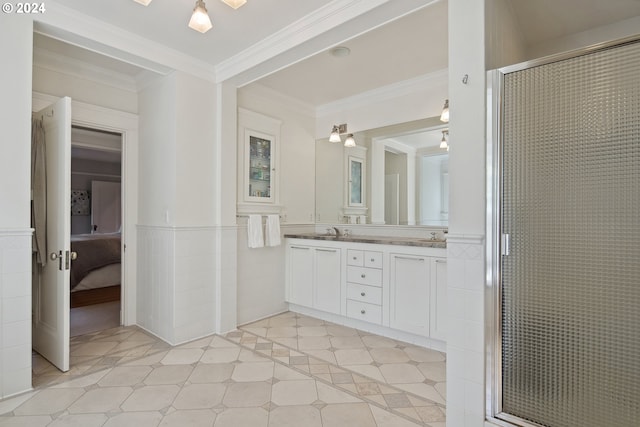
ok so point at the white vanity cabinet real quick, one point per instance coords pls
(409, 293)
(391, 289)
(314, 277)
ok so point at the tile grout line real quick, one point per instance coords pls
(326, 382)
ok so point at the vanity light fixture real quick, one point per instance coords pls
(336, 131)
(444, 117)
(200, 20)
(443, 142)
(143, 2)
(350, 141)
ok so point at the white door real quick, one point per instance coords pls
(51, 306)
(106, 208)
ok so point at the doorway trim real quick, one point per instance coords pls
(101, 118)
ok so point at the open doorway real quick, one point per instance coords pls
(96, 228)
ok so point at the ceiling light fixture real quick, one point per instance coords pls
(444, 117)
(340, 51)
(234, 3)
(350, 141)
(336, 131)
(200, 20)
(443, 142)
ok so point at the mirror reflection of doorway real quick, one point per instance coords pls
(391, 198)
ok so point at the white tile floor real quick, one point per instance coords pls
(288, 370)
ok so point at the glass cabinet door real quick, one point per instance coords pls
(260, 168)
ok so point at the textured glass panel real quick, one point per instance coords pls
(571, 205)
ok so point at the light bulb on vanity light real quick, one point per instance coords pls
(443, 142)
(200, 20)
(350, 141)
(444, 116)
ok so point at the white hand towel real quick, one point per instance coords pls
(273, 230)
(254, 231)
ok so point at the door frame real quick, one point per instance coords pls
(101, 118)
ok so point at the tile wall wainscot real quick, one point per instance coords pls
(15, 311)
(394, 290)
(465, 339)
(176, 287)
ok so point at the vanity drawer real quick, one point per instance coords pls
(364, 275)
(364, 293)
(373, 259)
(355, 257)
(363, 311)
(359, 258)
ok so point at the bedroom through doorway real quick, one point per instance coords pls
(96, 228)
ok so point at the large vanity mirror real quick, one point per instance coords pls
(396, 175)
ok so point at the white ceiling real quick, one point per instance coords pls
(165, 22)
(408, 47)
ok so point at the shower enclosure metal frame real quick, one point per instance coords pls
(497, 243)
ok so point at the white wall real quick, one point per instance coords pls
(626, 28)
(157, 153)
(177, 249)
(465, 249)
(58, 83)
(503, 35)
(195, 104)
(16, 33)
(260, 290)
(398, 103)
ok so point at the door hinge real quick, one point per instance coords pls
(504, 244)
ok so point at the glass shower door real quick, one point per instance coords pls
(569, 299)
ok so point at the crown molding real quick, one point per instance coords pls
(320, 21)
(84, 70)
(65, 24)
(260, 91)
(384, 93)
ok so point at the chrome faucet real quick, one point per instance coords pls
(337, 231)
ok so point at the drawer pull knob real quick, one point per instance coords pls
(362, 275)
(355, 257)
(362, 293)
(362, 312)
(372, 259)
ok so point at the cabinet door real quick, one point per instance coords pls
(260, 167)
(438, 298)
(409, 293)
(327, 295)
(300, 275)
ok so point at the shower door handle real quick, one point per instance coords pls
(504, 244)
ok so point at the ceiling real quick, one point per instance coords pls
(410, 46)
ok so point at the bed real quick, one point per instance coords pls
(96, 272)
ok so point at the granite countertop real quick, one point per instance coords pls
(381, 240)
